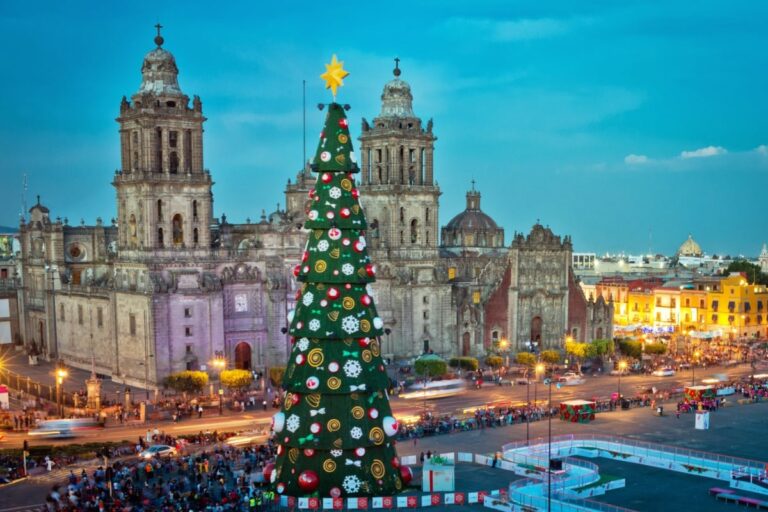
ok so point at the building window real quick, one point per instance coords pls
(62, 316)
(402, 215)
(187, 312)
(687, 303)
(99, 317)
(132, 324)
(160, 237)
(80, 314)
(195, 236)
(658, 317)
(425, 299)
(701, 303)
(672, 303)
(714, 305)
(178, 230)
(425, 314)
(187, 331)
(189, 349)
(174, 162)
(658, 302)
(714, 319)
(378, 159)
(414, 231)
(173, 139)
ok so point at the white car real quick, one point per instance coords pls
(159, 450)
(616, 371)
(248, 438)
(571, 379)
(664, 372)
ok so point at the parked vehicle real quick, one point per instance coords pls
(664, 372)
(158, 450)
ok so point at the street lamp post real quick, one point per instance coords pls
(219, 362)
(61, 373)
(622, 366)
(696, 355)
(549, 446)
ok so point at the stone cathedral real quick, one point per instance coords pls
(167, 285)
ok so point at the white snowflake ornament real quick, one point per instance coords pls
(322, 245)
(308, 298)
(292, 423)
(355, 433)
(347, 269)
(303, 344)
(335, 192)
(314, 324)
(349, 324)
(352, 369)
(351, 484)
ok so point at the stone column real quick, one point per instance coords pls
(93, 387)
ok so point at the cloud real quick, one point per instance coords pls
(505, 31)
(704, 152)
(762, 149)
(635, 159)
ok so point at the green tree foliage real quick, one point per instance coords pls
(603, 347)
(236, 379)
(655, 349)
(525, 358)
(276, 374)
(465, 363)
(431, 367)
(550, 356)
(577, 349)
(631, 348)
(186, 381)
(751, 270)
(494, 361)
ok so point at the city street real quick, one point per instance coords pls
(598, 387)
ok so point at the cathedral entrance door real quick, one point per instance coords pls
(243, 356)
(536, 327)
(465, 344)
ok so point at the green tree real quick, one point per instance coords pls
(465, 363)
(431, 366)
(526, 359)
(550, 356)
(577, 349)
(494, 361)
(336, 409)
(603, 347)
(751, 270)
(276, 374)
(187, 381)
(655, 349)
(236, 379)
(631, 348)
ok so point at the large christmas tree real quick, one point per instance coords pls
(335, 431)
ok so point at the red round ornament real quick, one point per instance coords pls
(311, 193)
(358, 246)
(360, 452)
(370, 269)
(355, 193)
(395, 462)
(267, 471)
(295, 398)
(366, 300)
(335, 492)
(309, 452)
(280, 488)
(300, 359)
(305, 256)
(315, 428)
(296, 270)
(406, 475)
(373, 413)
(326, 177)
(345, 213)
(343, 123)
(333, 293)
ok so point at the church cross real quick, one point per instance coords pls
(473, 184)
(397, 62)
(158, 27)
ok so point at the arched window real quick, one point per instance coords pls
(160, 210)
(401, 161)
(195, 238)
(135, 160)
(160, 237)
(402, 214)
(426, 216)
(426, 237)
(194, 210)
(402, 237)
(414, 231)
(174, 163)
(379, 171)
(178, 230)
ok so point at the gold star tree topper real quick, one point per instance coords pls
(334, 75)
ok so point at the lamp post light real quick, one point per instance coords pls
(539, 370)
(696, 355)
(504, 345)
(219, 362)
(549, 443)
(622, 366)
(61, 374)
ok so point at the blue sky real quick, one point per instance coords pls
(627, 125)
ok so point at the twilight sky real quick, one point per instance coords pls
(625, 124)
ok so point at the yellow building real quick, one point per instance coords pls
(693, 309)
(641, 302)
(738, 309)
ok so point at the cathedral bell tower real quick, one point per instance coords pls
(163, 191)
(397, 175)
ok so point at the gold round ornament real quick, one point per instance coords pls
(377, 469)
(375, 348)
(365, 325)
(366, 356)
(376, 435)
(334, 383)
(329, 466)
(398, 483)
(358, 412)
(313, 399)
(348, 303)
(315, 357)
(343, 139)
(333, 425)
(320, 266)
(346, 184)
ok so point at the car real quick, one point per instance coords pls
(158, 450)
(664, 372)
(571, 379)
(522, 381)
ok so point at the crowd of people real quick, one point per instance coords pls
(214, 478)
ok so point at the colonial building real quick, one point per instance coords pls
(168, 286)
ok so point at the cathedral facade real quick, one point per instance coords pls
(168, 286)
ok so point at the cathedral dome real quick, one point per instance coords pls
(397, 100)
(690, 248)
(159, 74)
(472, 227)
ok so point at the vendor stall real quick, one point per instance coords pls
(577, 411)
(699, 393)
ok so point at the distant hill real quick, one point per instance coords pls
(7, 229)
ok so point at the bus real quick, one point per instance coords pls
(64, 428)
(435, 389)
